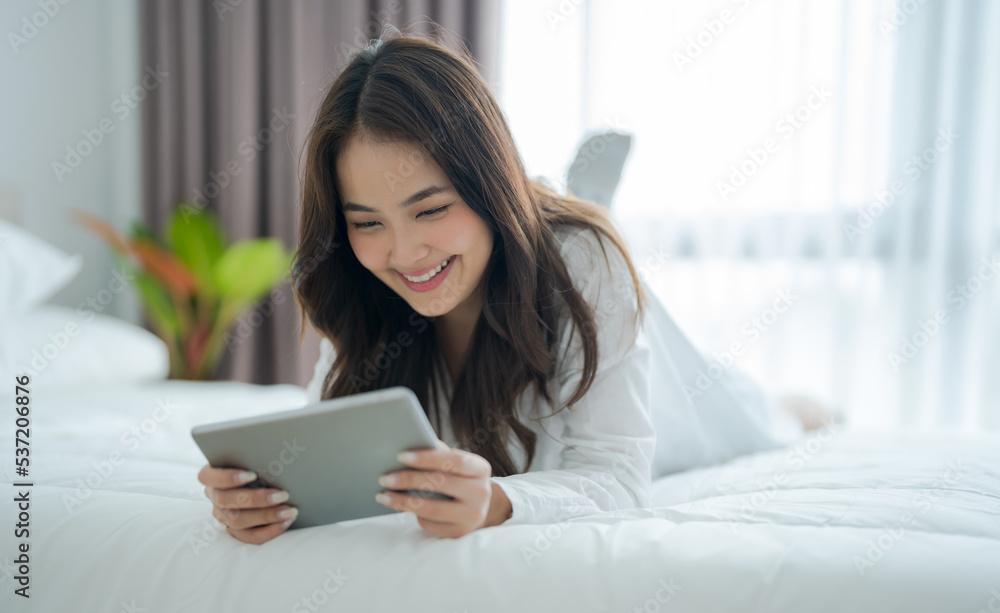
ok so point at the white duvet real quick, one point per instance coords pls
(841, 521)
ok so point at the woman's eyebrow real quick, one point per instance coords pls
(427, 192)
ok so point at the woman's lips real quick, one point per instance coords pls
(431, 283)
(424, 271)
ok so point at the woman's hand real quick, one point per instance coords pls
(460, 474)
(250, 515)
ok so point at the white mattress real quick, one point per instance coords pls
(853, 522)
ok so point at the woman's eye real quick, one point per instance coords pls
(371, 224)
(437, 210)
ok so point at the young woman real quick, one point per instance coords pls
(428, 259)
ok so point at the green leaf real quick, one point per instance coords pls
(141, 231)
(249, 269)
(198, 241)
(157, 302)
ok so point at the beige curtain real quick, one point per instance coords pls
(244, 79)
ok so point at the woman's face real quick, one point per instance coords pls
(404, 217)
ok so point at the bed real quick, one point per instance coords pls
(838, 521)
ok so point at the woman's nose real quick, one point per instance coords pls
(408, 249)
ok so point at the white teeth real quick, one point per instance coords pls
(427, 276)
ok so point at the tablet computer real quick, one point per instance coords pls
(329, 455)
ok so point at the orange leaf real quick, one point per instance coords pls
(165, 267)
(98, 226)
(161, 264)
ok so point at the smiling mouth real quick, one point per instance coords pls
(430, 274)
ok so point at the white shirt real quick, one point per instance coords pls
(601, 453)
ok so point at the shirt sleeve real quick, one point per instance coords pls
(609, 435)
(322, 367)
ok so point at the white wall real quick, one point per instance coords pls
(59, 79)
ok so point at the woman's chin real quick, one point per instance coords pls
(432, 308)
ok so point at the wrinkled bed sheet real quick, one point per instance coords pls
(839, 521)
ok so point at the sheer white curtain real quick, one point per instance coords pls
(813, 189)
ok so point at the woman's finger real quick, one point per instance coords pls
(465, 512)
(455, 461)
(259, 535)
(427, 508)
(242, 519)
(470, 489)
(462, 514)
(245, 497)
(224, 478)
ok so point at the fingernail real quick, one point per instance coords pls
(287, 523)
(387, 480)
(383, 498)
(277, 497)
(288, 513)
(245, 477)
(406, 457)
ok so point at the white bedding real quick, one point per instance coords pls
(849, 522)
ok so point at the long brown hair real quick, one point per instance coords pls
(403, 88)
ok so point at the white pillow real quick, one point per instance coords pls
(31, 270)
(59, 346)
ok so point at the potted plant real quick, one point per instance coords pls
(192, 283)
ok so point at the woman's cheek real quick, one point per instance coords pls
(456, 233)
(444, 234)
(365, 249)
